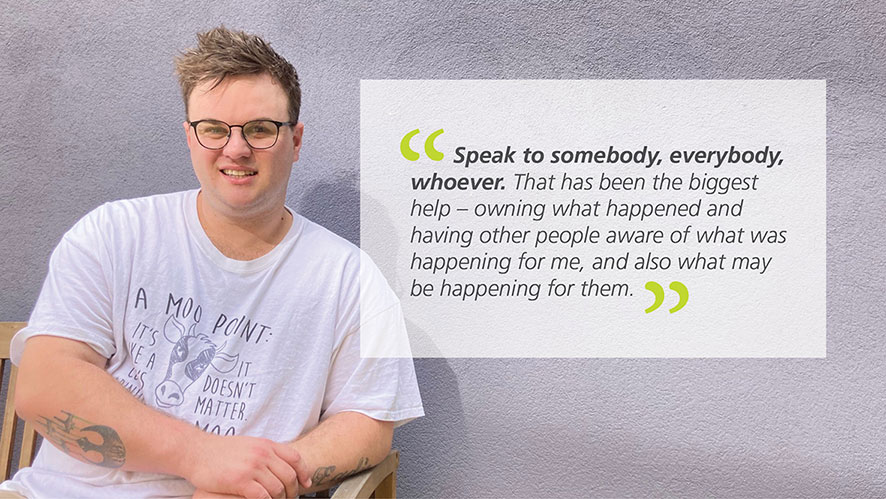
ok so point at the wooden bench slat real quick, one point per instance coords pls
(7, 331)
(7, 433)
(364, 483)
(10, 420)
(29, 445)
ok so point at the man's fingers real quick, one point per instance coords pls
(205, 494)
(256, 490)
(286, 474)
(272, 484)
(292, 456)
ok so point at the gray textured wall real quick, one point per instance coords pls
(90, 112)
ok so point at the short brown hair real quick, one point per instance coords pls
(221, 52)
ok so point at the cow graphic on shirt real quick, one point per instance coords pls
(192, 353)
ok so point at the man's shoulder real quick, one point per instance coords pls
(115, 219)
(319, 233)
(130, 211)
(323, 242)
(148, 204)
(337, 258)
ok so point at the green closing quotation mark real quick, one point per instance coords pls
(659, 293)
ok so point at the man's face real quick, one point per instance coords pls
(236, 101)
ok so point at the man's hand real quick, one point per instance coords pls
(202, 494)
(246, 467)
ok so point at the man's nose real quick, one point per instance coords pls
(237, 146)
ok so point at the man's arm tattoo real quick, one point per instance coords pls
(323, 474)
(78, 438)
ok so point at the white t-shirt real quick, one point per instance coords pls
(267, 347)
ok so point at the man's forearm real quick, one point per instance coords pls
(344, 444)
(64, 389)
(86, 413)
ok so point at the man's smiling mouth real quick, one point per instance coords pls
(238, 173)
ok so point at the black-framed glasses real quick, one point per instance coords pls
(259, 134)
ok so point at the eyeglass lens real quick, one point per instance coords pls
(259, 134)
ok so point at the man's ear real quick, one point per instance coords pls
(297, 140)
(187, 132)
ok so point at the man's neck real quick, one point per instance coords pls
(244, 238)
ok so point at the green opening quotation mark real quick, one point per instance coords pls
(659, 293)
(411, 155)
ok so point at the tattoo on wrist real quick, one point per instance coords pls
(325, 474)
(83, 440)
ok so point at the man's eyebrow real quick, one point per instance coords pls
(263, 118)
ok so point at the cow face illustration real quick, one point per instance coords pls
(192, 353)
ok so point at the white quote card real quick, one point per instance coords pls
(545, 218)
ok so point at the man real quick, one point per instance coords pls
(211, 339)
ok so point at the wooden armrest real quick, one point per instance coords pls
(382, 479)
(10, 419)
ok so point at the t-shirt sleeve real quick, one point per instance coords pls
(383, 388)
(75, 301)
